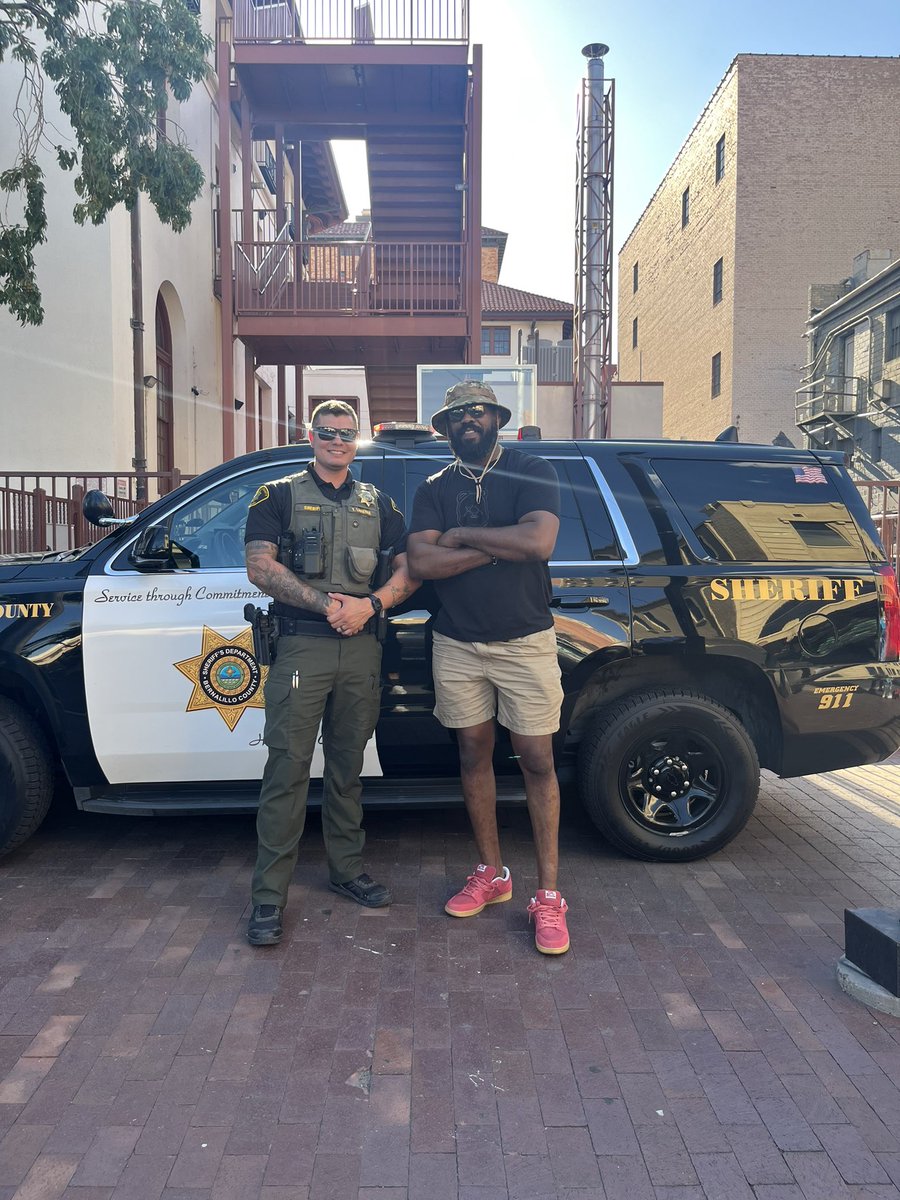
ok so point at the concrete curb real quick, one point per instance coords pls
(858, 985)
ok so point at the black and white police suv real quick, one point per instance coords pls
(717, 606)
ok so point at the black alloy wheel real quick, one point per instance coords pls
(668, 775)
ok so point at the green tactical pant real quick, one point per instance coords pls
(335, 681)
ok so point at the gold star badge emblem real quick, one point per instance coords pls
(225, 675)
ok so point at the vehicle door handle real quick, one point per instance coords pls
(584, 602)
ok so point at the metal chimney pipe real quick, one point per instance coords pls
(593, 315)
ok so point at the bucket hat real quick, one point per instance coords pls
(469, 391)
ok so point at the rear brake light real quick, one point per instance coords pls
(890, 615)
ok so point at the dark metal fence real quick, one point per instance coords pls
(42, 510)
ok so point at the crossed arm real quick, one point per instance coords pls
(436, 555)
(347, 613)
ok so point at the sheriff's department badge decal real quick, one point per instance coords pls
(225, 675)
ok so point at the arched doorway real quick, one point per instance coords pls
(165, 434)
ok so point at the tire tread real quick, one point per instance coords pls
(28, 743)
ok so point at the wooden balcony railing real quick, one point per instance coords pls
(41, 511)
(349, 21)
(349, 278)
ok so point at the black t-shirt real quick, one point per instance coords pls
(270, 517)
(493, 603)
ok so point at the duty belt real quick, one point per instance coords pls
(297, 627)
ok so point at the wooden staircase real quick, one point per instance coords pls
(392, 393)
(413, 178)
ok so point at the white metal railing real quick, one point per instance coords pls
(837, 395)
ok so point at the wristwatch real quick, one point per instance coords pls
(377, 606)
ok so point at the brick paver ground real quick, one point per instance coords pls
(694, 1043)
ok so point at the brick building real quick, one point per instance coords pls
(850, 395)
(792, 166)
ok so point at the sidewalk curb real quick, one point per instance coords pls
(858, 985)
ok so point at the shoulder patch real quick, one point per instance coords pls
(262, 493)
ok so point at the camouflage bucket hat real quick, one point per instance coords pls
(469, 391)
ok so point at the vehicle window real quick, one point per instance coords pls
(418, 470)
(212, 525)
(393, 482)
(369, 470)
(582, 505)
(763, 512)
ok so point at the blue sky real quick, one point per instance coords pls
(666, 58)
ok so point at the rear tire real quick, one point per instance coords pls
(26, 776)
(669, 775)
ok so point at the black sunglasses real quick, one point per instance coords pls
(327, 434)
(455, 415)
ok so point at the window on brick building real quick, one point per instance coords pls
(717, 282)
(720, 159)
(495, 339)
(634, 278)
(685, 206)
(892, 335)
(716, 378)
(634, 334)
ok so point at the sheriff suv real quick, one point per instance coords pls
(718, 607)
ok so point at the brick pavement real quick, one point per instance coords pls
(694, 1043)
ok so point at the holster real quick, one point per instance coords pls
(383, 572)
(264, 627)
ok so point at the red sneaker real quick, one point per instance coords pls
(483, 888)
(548, 911)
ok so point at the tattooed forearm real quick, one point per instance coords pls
(399, 586)
(399, 591)
(270, 576)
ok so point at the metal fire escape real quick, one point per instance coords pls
(593, 367)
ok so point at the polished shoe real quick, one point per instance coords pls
(364, 890)
(264, 928)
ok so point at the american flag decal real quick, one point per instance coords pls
(809, 475)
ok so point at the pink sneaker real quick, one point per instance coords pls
(548, 911)
(483, 888)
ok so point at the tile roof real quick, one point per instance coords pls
(496, 298)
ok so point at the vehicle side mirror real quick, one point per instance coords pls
(154, 550)
(96, 507)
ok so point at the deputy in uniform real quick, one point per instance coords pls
(312, 544)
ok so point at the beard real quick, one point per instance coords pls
(470, 450)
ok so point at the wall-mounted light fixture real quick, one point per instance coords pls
(150, 381)
(238, 404)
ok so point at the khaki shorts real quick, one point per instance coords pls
(516, 681)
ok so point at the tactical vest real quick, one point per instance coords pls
(348, 533)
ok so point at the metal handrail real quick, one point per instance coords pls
(350, 278)
(841, 395)
(349, 21)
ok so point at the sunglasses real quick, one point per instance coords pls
(455, 415)
(327, 434)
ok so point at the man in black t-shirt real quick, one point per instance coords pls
(484, 529)
(312, 544)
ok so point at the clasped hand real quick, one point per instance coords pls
(348, 614)
(453, 539)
